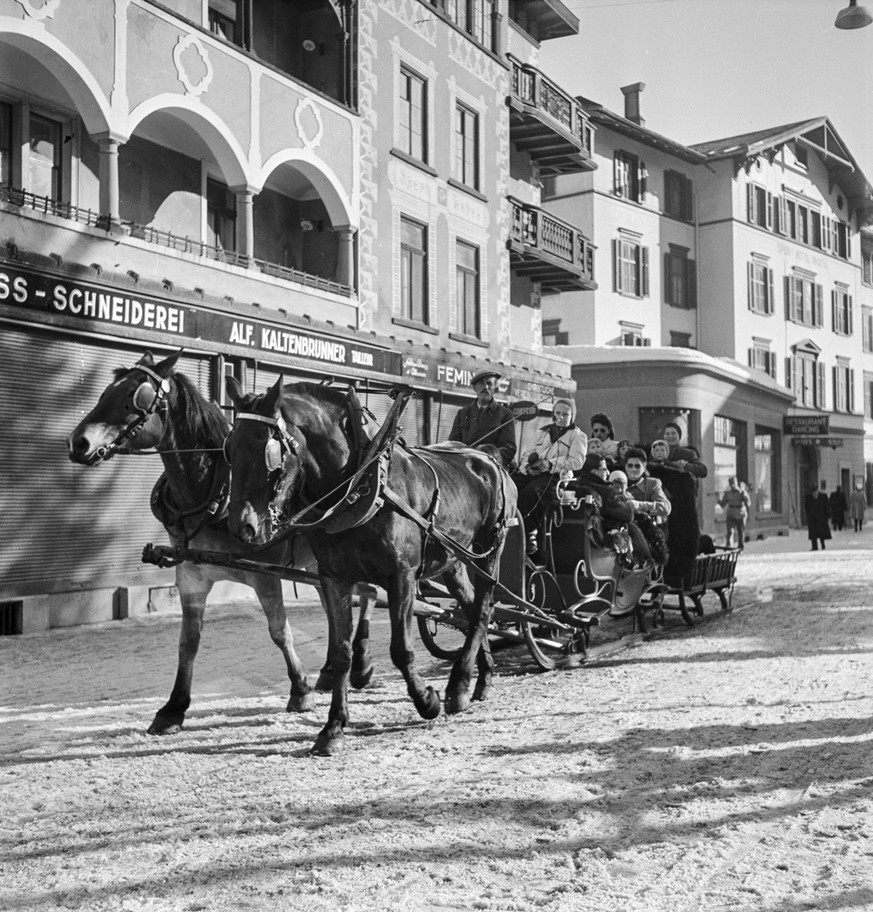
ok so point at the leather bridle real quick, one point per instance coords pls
(149, 397)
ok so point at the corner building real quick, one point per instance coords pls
(739, 273)
(317, 190)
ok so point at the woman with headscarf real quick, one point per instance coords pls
(558, 452)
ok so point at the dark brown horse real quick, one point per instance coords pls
(296, 446)
(150, 405)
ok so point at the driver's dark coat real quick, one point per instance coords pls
(495, 425)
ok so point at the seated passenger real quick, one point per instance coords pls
(558, 452)
(686, 458)
(621, 451)
(601, 428)
(594, 477)
(659, 451)
(646, 494)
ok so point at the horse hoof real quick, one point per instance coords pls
(324, 684)
(480, 694)
(457, 702)
(164, 727)
(430, 706)
(328, 745)
(300, 703)
(360, 678)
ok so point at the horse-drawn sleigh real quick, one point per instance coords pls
(298, 490)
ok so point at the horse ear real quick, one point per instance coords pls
(273, 399)
(234, 389)
(147, 359)
(165, 367)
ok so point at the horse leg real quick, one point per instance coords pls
(194, 586)
(401, 597)
(269, 592)
(324, 684)
(338, 603)
(458, 582)
(362, 664)
(474, 651)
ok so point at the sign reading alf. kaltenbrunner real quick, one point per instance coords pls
(83, 301)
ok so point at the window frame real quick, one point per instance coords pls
(220, 218)
(630, 266)
(678, 196)
(405, 133)
(628, 176)
(409, 257)
(465, 114)
(466, 279)
(760, 286)
(679, 278)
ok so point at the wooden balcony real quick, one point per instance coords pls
(549, 251)
(548, 124)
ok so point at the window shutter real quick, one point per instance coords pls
(789, 373)
(850, 393)
(668, 285)
(848, 243)
(771, 366)
(789, 304)
(687, 199)
(750, 288)
(834, 309)
(644, 270)
(616, 175)
(771, 297)
(642, 177)
(818, 306)
(750, 203)
(616, 268)
(821, 390)
(768, 215)
(783, 216)
(690, 284)
(849, 322)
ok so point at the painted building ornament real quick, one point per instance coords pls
(44, 10)
(182, 45)
(307, 119)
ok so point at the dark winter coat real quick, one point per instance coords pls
(818, 512)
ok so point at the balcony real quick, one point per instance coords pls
(549, 251)
(548, 124)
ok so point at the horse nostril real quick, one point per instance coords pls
(78, 447)
(247, 533)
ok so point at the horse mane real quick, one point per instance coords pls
(199, 421)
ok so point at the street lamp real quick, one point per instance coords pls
(853, 17)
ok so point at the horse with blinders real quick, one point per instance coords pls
(437, 510)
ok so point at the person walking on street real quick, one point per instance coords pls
(736, 503)
(818, 512)
(486, 421)
(858, 506)
(839, 506)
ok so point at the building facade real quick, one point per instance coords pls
(318, 190)
(748, 249)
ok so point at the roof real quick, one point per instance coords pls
(605, 118)
(818, 135)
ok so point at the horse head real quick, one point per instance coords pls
(130, 414)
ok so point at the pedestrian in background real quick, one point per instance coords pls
(839, 506)
(736, 503)
(858, 506)
(818, 512)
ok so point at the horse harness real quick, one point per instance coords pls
(367, 491)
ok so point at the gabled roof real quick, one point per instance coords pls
(606, 118)
(818, 135)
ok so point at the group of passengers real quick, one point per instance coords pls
(562, 451)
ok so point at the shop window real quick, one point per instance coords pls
(679, 278)
(467, 288)
(630, 267)
(841, 310)
(466, 169)
(765, 491)
(413, 271)
(729, 450)
(220, 215)
(412, 127)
